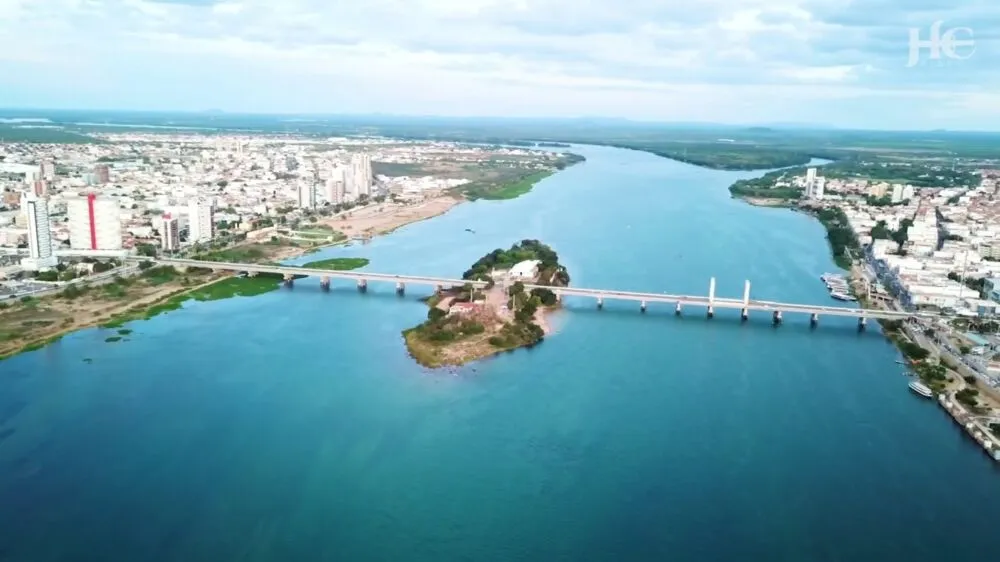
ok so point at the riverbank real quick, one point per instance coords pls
(377, 220)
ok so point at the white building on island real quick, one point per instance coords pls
(524, 271)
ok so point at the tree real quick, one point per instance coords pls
(145, 264)
(148, 250)
(516, 289)
(435, 314)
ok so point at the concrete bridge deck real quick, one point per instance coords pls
(710, 302)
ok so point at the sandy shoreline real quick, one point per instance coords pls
(384, 218)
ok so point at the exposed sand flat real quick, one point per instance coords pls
(382, 219)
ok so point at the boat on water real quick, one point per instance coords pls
(900, 362)
(921, 389)
(842, 296)
(470, 230)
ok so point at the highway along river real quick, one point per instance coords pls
(293, 426)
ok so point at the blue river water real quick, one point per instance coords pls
(293, 426)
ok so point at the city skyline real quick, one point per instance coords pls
(724, 61)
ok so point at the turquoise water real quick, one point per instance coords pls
(292, 426)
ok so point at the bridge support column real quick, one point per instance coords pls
(439, 289)
(600, 303)
(711, 311)
(642, 306)
(289, 279)
(678, 308)
(251, 274)
(776, 318)
(558, 297)
(363, 285)
(814, 319)
(400, 288)
(324, 283)
(862, 322)
(745, 313)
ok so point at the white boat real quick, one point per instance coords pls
(921, 389)
(842, 296)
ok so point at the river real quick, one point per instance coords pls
(293, 426)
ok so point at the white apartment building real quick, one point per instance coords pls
(307, 195)
(335, 186)
(897, 193)
(170, 233)
(40, 254)
(201, 221)
(94, 223)
(360, 175)
(48, 169)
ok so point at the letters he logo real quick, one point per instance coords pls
(946, 43)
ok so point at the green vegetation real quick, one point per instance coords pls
(458, 336)
(838, 232)
(729, 156)
(878, 168)
(766, 186)
(508, 183)
(338, 264)
(497, 190)
(549, 270)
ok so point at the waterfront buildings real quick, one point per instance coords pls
(170, 233)
(40, 251)
(307, 195)
(360, 175)
(201, 225)
(94, 223)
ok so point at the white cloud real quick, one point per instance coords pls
(641, 58)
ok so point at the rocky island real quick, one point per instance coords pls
(469, 323)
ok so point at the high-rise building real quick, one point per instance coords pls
(897, 193)
(94, 223)
(201, 221)
(818, 186)
(40, 254)
(48, 170)
(361, 175)
(170, 233)
(907, 192)
(102, 174)
(40, 188)
(335, 186)
(31, 176)
(307, 194)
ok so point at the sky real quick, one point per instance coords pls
(839, 62)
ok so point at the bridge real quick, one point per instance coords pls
(710, 303)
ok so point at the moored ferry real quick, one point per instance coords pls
(921, 389)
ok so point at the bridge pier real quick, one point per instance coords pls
(862, 322)
(251, 274)
(363, 285)
(439, 289)
(600, 303)
(745, 313)
(558, 297)
(324, 283)
(677, 309)
(710, 312)
(814, 319)
(642, 306)
(289, 279)
(776, 317)
(400, 288)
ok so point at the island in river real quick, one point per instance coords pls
(479, 320)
